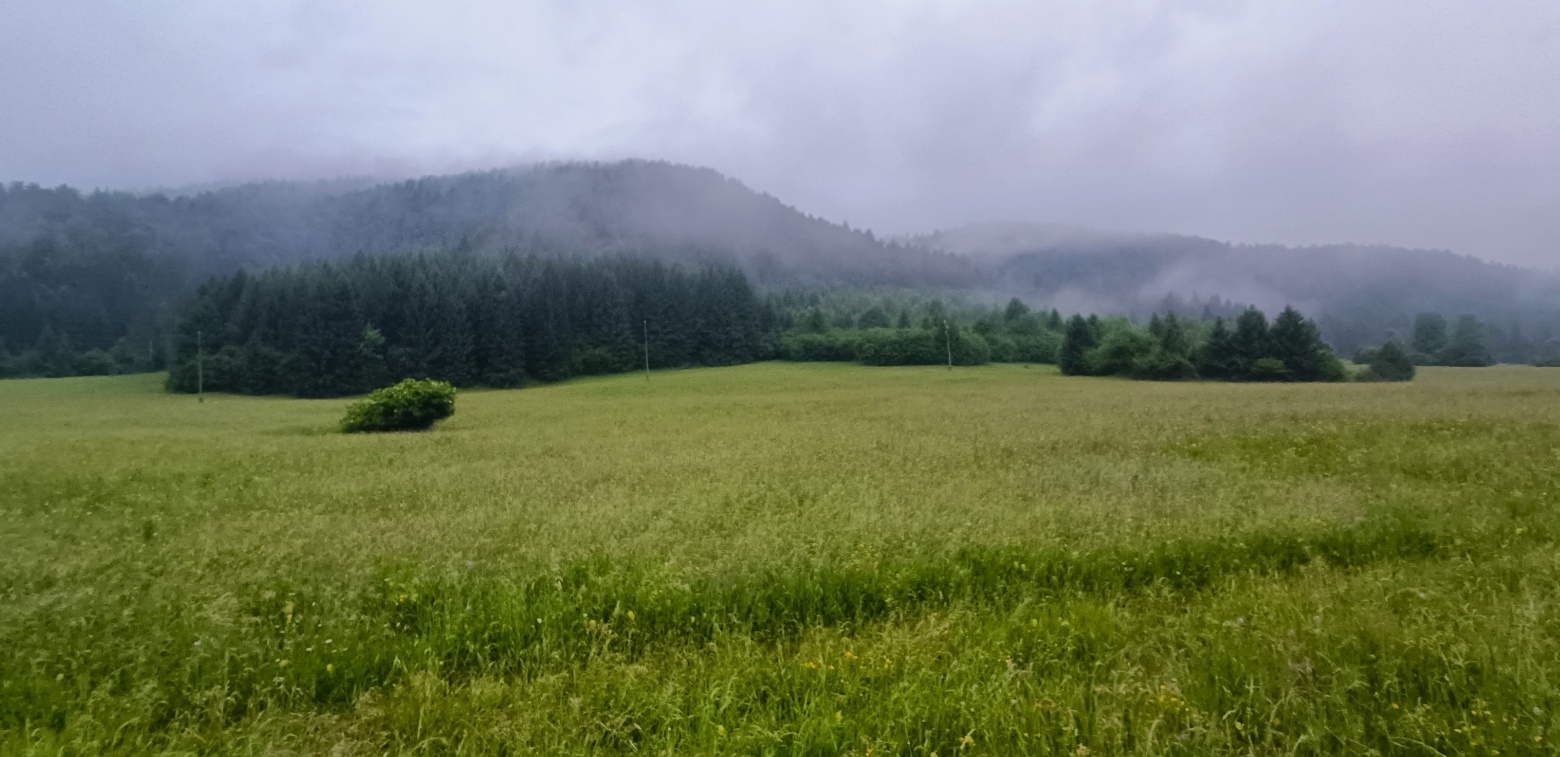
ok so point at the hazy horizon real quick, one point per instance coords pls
(1427, 125)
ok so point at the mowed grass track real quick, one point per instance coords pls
(788, 559)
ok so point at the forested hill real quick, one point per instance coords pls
(99, 270)
(1356, 292)
(582, 209)
(89, 282)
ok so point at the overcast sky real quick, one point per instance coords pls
(1430, 123)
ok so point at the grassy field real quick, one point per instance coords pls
(789, 559)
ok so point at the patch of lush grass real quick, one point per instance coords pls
(788, 559)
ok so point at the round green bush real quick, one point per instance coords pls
(1389, 362)
(411, 405)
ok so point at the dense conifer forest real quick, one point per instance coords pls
(331, 329)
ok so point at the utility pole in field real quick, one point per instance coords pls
(948, 341)
(647, 349)
(200, 369)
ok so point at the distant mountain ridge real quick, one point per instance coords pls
(1355, 291)
(640, 207)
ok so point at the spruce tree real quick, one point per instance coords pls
(1429, 335)
(1172, 337)
(1217, 358)
(1296, 341)
(1079, 338)
(1250, 343)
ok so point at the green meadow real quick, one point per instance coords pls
(788, 559)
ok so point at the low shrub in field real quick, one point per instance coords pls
(411, 405)
(1389, 362)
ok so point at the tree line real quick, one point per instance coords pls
(1435, 342)
(899, 328)
(909, 328)
(333, 329)
(1169, 348)
(336, 328)
(1466, 342)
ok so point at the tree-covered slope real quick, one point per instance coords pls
(566, 208)
(88, 281)
(101, 270)
(1357, 292)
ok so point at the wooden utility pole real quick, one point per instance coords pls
(647, 349)
(200, 369)
(948, 341)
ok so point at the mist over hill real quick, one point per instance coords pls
(90, 270)
(1356, 292)
(574, 209)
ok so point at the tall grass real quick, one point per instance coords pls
(784, 559)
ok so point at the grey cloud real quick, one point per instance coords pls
(1424, 123)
